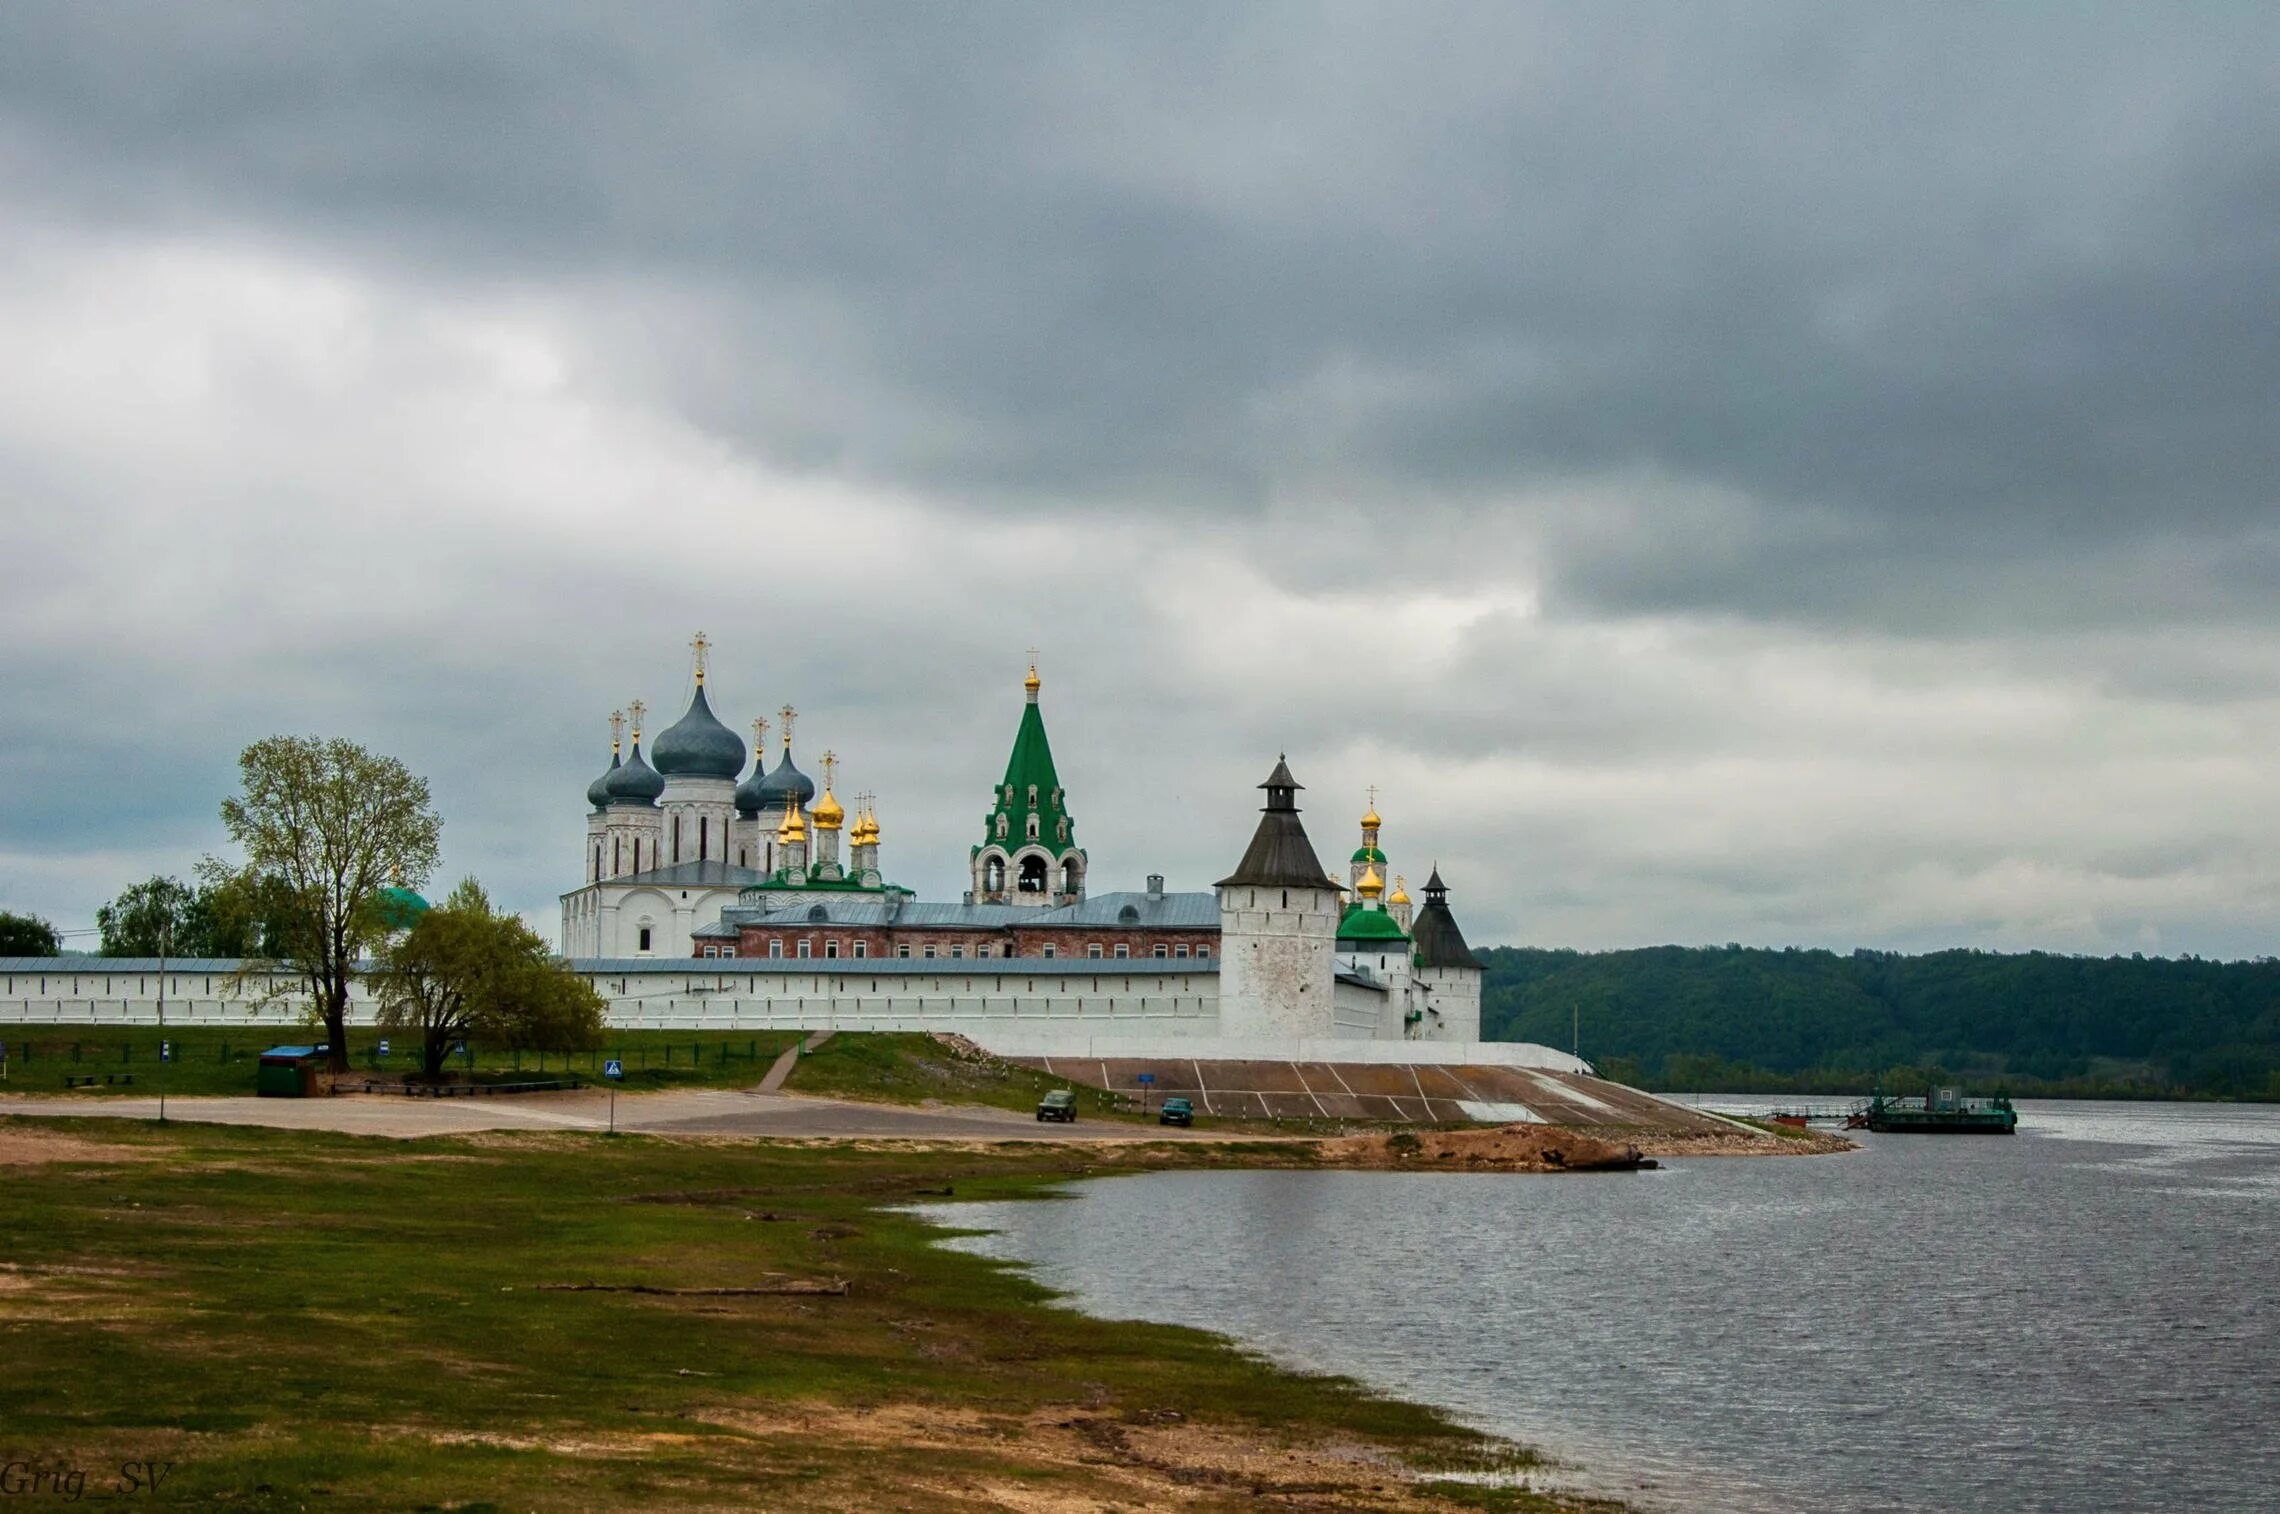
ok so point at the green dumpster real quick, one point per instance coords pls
(288, 1072)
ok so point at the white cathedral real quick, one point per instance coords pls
(730, 883)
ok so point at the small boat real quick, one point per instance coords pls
(1943, 1111)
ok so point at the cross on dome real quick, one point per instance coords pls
(700, 644)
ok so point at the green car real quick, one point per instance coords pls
(1176, 1111)
(1060, 1104)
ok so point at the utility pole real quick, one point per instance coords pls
(1575, 1030)
(165, 940)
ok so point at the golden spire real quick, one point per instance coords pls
(617, 731)
(1032, 683)
(828, 815)
(700, 644)
(794, 827)
(760, 741)
(787, 714)
(1400, 894)
(639, 709)
(1371, 885)
(866, 829)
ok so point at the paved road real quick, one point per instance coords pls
(712, 1112)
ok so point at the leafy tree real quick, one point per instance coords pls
(157, 914)
(324, 826)
(27, 936)
(238, 917)
(466, 970)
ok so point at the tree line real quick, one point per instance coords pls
(1748, 1019)
(332, 842)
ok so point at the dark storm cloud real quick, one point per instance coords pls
(1922, 293)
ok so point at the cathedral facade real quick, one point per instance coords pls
(692, 861)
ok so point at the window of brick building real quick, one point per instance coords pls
(830, 949)
(1123, 950)
(1203, 951)
(862, 948)
(775, 948)
(903, 950)
(1051, 951)
(958, 953)
(1093, 951)
(1162, 950)
(930, 952)
(807, 947)
(1179, 951)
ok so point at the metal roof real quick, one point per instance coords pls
(859, 967)
(1187, 911)
(712, 873)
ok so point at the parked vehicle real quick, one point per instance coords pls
(1060, 1104)
(1176, 1111)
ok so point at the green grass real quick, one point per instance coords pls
(296, 1318)
(914, 1068)
(218, 1060)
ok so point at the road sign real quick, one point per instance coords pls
(383, 1048)
(613, 1068)
(166, 1051)
(1146, 1077)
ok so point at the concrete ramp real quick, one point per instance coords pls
(1389, 1093)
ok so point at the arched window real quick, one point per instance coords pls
(1073, 877)
(1033, 796)
(676, 838)
(703, 837)
(1033, 827)
(993, 875)
(1033, 874)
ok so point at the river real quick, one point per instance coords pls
(2085, 1315)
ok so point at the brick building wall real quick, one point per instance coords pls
(827, 941)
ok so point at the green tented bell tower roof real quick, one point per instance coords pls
(1030, 770)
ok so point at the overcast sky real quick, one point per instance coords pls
(1791, 475)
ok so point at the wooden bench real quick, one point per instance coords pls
(89, 1080)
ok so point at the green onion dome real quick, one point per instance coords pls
(1371, 927)
(399, 907)
(1369, 854)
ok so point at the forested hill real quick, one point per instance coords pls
(1741, 1018)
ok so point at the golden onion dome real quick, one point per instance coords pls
(794, 827)
(1032, 683)
(1370, 821)
(1371, 885)
(1400, 894)
(828, 815)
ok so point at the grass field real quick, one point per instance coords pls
(914, 1068)
(215, 1060)
(296, 1320)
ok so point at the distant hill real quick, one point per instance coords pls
(1733, 1018)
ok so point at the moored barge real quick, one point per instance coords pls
(1943, 1111)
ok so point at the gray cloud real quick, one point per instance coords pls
(1668, 449)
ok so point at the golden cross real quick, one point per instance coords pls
(617, 730)
(787, 714)
(639, 709)
(830, 765)
(1373, 798)
(760, 737)
(701, 644)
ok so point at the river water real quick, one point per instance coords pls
(2083, 1316)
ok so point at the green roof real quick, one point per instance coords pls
(1370, 854)
(1030, 766)
(399, 908)
(1367, 923)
